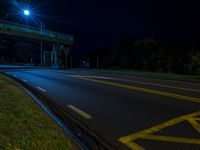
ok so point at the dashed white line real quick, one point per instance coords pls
(74, 76)
(80, 112)
(97, 77)
(41, 89)
(84, 76)
(25, 80)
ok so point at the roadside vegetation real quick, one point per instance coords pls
(23, 125)
(148, 55)
(143, 55)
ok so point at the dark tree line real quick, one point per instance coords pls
(28, 52)
(14, 51)
(149, 55)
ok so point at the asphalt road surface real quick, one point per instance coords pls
(129, 112)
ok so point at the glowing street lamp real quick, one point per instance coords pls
(26, 12)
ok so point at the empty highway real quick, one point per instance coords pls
(127, 112)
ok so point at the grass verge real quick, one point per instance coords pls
(23, 125)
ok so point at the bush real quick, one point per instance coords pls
(194, 66)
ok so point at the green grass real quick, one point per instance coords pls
(23, 125)
(150, 74)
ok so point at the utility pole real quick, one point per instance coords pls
(31, 60)
(97, 62)
(41, 45)
(66, 54)
(71, 61)
(3, 60)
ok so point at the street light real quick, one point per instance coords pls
(26, 12)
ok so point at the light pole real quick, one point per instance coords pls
(41, 45)
(27, 13)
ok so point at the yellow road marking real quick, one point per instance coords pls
(195, 124)
(147, 133)
(172, 139)
(134, 146)
(167, 94)
(160, 85)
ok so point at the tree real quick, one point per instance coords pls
(25, 51)
(147, 54)
(194, 66)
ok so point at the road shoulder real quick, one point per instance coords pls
(23, 124)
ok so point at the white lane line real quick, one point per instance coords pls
(41, 89)
(94, 77)
(140, 82)
(160, 85)
(25, 80)
(97, 77)
(74, 76)
(80, 112)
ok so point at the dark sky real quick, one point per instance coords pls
(102, 23)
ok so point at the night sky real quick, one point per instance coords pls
(102, 23)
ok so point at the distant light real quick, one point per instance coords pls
(26, 12)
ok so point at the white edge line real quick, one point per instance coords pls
(80, 112)
(25, 80)
(59, 122)
(140, 82)
(41, 89)
(160, 85)
(97, 77)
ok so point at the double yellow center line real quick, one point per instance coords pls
(135, 88)
(150, 91)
